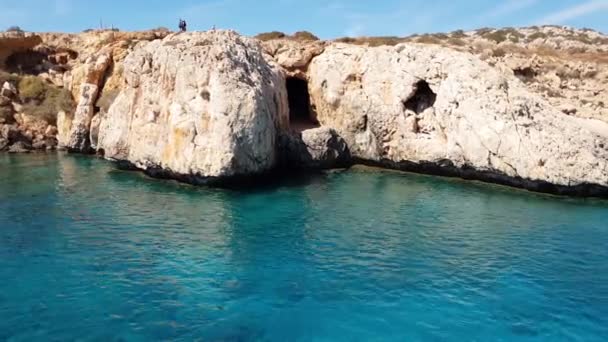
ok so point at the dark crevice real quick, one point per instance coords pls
(26, 62)
(526, 74)
(423, 98)
(301, 113)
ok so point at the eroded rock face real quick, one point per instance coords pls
(77, 136)
(316, 148)
(432, 109)
(14, 42)
(201, 106)
(293, 56)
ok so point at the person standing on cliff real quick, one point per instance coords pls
(182, 25)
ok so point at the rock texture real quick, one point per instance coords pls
(316, 148)
(524, 107)
(95, 71)
(197, 106)
(431, 109)
(14, 42)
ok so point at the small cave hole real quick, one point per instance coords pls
(301, 113)
(423, 98)
(526, 74)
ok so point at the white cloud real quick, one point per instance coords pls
(574, 12)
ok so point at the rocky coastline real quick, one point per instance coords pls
(523, 108)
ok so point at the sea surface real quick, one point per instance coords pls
(91, 253)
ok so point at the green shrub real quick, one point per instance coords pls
(347, 40)
(8, 77)
(428, 39)
(537, 35)
(56, 100)
(458, 34)
(499, 52)
(483, 30)
(440, 36)
(600, 41)
(44, 100)
(14, 29)
(270, 35)
(373, 41)
(496, 36)
(583, 38)
(161, 29)
(304, 36)
(106, 99)
(32, 88)
(456, 42)
(383, 41)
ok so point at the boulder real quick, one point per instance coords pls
(20, 147)
(200, 106)
(8, 90)
(316, 148)
(432, 109)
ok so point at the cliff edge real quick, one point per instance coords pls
(211, 106)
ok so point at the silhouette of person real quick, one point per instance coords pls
(182, 25)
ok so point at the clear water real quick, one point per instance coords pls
(91, 253)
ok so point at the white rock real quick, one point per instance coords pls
(197, 105)
(482, 123)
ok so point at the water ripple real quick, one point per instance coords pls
(91, 253)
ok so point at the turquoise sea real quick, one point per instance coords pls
(91, 253)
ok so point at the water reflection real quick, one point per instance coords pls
(86, 249)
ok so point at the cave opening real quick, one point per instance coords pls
(526, 74)
(301, 113)
(28, 62)
(423, 98)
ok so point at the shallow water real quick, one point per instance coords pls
(91, 253)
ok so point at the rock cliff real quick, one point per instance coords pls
(198, 106)
(519, 107)
(431, 109)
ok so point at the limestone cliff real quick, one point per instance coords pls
(428, 108)
(520, 107)
(198, 106)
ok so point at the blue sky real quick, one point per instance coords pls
(326, 18)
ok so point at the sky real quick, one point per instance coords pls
(326, 18)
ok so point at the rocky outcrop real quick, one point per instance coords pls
(197, 106)
(86, 64)
(14, 42)
(316, 148)
(19, 131)
(432, 109)
(520, 107)
(77, 137)
(293, 56)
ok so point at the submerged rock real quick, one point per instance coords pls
(198, 106)
(20, 147)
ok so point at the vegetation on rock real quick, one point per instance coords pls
(270, 36)
(44, 100)
(14, 29)
(298, 36)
